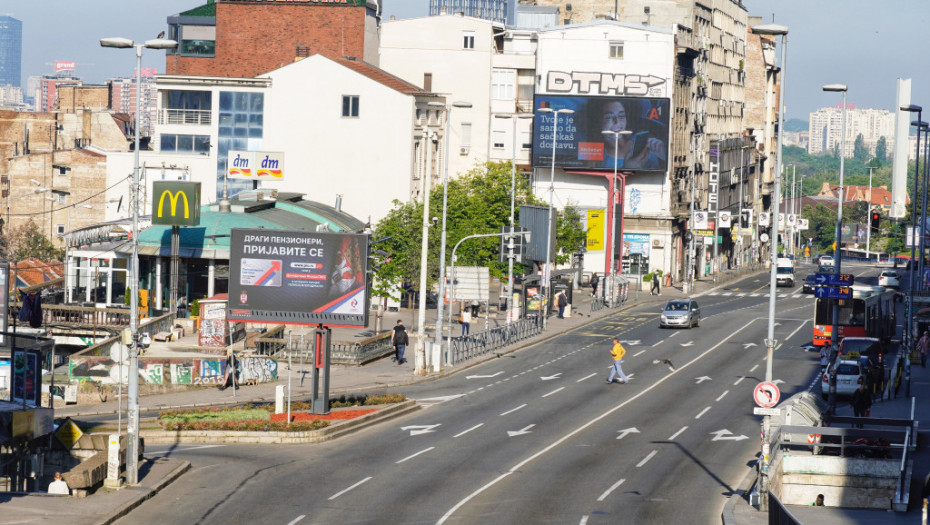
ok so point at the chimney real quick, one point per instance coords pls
(338, 202)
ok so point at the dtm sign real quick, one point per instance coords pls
(176, 203)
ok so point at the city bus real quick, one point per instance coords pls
(869, 313)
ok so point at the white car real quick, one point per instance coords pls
(848, 374)
(888, 278)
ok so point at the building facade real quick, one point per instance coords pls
(501, 11)
(122, 99)
(826, 129)
(11, 51)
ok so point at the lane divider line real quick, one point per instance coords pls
(701, 413)
(612, 488)
(676, 434)
(424, 451)
(646, 459)
(462, 433)
(336, 495)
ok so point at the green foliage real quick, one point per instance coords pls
(570, 235)
(195, 308)
(860, 151)
(213, 414)
(881, 150)
(28, 241)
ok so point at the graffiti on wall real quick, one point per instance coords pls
(258, 369)
(171, 371)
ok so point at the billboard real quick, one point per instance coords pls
(176, 203)
(298, 277)
(255, 165)
(580, 143)
(594, 241)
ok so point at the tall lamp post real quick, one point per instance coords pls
(547, 273)
(773, 29)
(922, 245)
(513, 194)
(838, 236)
(910, 301)
(420, 360)
(868, 231)
(613, 221)
(440, 302)
(132, 428)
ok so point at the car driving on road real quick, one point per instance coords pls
(888, 278)
(810, 282)
(680, 312)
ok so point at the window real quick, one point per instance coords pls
(197, 41)
(350, 105)
(468, 40)
(60, 228)
(526, 139)
(497, 142)
(525, 79)
(185, 144)
(502, 84)
(616, 50)
(427, 81)
(61, 198)
(466, 134)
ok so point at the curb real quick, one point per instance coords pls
(745, 487)
(148, 493)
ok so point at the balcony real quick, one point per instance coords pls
(193, 117)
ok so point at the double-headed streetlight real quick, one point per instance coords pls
(919, 124)
(513, 117)
(549, 227)
(609, 286)
(132, 446)
(838, 236)
(420, 358)
(772, 30)
(445, 199)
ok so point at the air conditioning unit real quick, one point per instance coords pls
(658, 243)
(463, 151)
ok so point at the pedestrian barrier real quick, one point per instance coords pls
(480, 343)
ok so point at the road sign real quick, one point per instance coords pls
(766, 394)
(68, 433)
(833, 292)
(759, 411)
(833, 279)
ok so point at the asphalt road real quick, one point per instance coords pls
(536, 436)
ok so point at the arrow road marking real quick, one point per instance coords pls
(627, 431)
(526, 430)
(702, 379)
(430, 401)
(748, 345)
(632, 342)
(726, 435)
(689, 343)
(416, 430)
(547, 378)
(484, 377)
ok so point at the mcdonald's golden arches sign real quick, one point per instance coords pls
(176, 203)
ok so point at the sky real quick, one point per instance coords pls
(868, 47)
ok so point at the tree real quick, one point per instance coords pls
(881, 149)
(860, 151)
(570, 235)
(28, 241)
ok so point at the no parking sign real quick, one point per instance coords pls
(766, 394)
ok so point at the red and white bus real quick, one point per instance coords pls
(870, 313)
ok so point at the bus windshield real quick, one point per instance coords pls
(851, 312)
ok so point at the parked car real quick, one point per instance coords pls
(680, 312)
(810, 283)
(888, 278)
(865, 348)
(849, 372)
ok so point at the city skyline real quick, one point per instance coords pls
(818, 53)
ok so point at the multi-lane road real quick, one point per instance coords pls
(536, 436)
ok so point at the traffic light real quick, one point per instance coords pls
(875, 219)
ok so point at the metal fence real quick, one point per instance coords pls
(280, 345)
(480, 343)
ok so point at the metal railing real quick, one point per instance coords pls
(185, 116)
(479, 343)
(280, 345)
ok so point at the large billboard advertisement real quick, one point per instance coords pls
(298, 277)
(581, 143)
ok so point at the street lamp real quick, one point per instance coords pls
(613, 221)
(910, 301)
(440, 303)
(513, 117)
(838, 236)
(420, 360)
(547, 273)
(772, 30)
(868, 231)
(132, 445)
(921, 247)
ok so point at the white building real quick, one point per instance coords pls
(344, 127)
(826, 125)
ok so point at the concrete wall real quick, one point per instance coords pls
(195, 371)
(844, 482)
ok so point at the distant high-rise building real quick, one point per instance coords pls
(826, 126)
(48, 91)
(494, 10)
(11, 51)
(123, 99)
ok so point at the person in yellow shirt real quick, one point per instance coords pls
(617, 352)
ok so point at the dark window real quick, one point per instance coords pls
(350, 105)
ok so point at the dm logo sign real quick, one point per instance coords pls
(176, 203)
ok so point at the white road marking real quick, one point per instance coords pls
(586, 377)
(584, 520)
(485, 377)
(637, 353)
(701, 413)
(646, 459)
(753, 368)
(298, 518)
(513, 409)
(753, 295)
(182, 449)
(738, 380)
(627, 431)
(517, 467)
(725, 392)
(658, 343)
(425, 450)
(726, 435)
(524, 430)
(676, 434)
(554, 391)
(336, 495)
(612, 488)
(462, 433)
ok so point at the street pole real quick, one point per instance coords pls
(424, 248)
(910, 301)
(513, 196)
(611, 202)
(773, 29)
(440, 302)
(739, 209)
(555, 134)
(868, 231)
(923, 217)
(690, 270)
(794, 211)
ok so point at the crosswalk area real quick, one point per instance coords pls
(796, 295)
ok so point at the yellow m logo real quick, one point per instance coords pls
(173, 197)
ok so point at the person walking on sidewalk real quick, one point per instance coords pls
(400, 340)
(466, 321)
(617, 352)
(655, 284)
(594, 280)
(562, 301)
(923, 346)
(861, 401)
